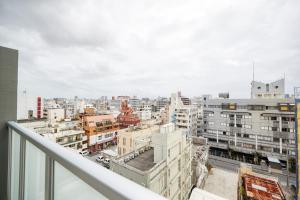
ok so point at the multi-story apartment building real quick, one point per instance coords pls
(164, 166)
(66, 133)
(75, 140)
(144, 112)
(184, 116)
(135, 103)
(101, 130)
(115, 104)
(265, 126)
(161, 102)
(55, 114)
(134, 138)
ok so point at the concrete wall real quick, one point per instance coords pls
(8, 107)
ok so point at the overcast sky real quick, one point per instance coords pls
(93, 48)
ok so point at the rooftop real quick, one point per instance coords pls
(144, 161)
(257, 187)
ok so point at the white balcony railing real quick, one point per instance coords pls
(41, 169)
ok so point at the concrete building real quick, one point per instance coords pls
(66, 133)
(144, 112)
(30, 107)
(115, 104)
(184, 116)
(101, 130)
(135, 103)
(200, 151)
(264, 126)
(161, 102)
(268, 90)
(55, 115)
(134, 138)
(164, 166)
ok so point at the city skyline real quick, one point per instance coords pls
(151, 49)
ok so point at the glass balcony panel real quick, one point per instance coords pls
(34, 173)
(68, 186)
(15, 165)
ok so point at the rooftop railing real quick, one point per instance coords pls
(41, 169)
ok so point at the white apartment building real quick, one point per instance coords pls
(144, 112)
(65, 133)
(75, 140)
(55, 115)
(184, 116)
(29, 107)
(134, 138)
(164, 166)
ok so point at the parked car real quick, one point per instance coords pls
(106, 161)
(100, 159)
(84, 153)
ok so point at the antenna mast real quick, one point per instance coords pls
(253, 72)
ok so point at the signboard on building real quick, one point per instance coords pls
(297, 126)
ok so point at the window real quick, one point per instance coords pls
(124, 150)
(124, 141)
(100, 137)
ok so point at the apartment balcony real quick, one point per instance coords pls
(40, 169)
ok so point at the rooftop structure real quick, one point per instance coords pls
(255, 186)
(268, 90)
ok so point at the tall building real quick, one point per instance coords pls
(264, 126)
(268, 90)
(164, 166)
(30, 107)
(184, 116)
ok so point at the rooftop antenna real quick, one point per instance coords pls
(253, 71)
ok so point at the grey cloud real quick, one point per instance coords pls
(151, 48)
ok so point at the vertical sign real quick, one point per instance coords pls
(297, 127)
(297, 104)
